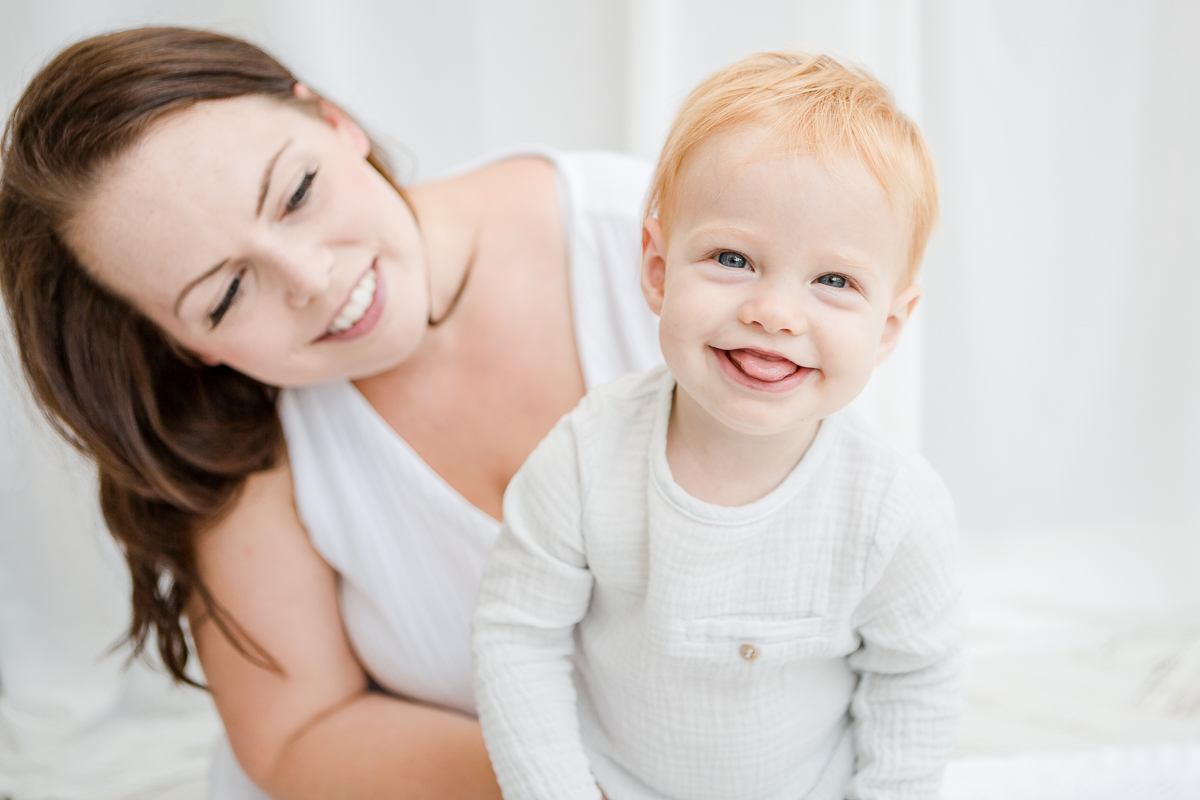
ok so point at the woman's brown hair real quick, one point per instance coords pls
(174, 440)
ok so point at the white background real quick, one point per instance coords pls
(1053, 377)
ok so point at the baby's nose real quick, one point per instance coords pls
(775, 312)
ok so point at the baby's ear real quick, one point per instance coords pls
(898, 316)
(654, 263)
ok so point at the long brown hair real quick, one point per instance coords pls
(174, 440)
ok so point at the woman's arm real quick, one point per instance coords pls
(314, 731)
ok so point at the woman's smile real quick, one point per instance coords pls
(331, 252)
(361, 309)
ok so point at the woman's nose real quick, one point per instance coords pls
(303, 271)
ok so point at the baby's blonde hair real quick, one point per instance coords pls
(817, 106)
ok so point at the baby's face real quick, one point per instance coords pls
(780, 286)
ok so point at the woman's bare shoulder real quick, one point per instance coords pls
(526, 167)
(264, 495)
(522, 197)
(252, 542)
(513, 187)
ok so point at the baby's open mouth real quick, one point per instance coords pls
(765, 367)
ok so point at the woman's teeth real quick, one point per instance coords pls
(357, 305)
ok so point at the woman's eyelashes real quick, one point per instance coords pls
(300, 196)
(298, 199)
(231, 295)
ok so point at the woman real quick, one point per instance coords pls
(183, 228)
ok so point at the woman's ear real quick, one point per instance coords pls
(654, 264)
(898, 316)
(338, 119)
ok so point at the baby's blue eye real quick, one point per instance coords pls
(728, 258)
(833, 281)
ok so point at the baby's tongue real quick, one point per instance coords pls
(762, 366)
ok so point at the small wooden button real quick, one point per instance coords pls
(749, 652)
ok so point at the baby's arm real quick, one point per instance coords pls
(535, 588)
(908, 700)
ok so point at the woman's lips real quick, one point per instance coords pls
(757, 369)
(367, 321)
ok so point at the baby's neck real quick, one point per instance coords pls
(717, 464)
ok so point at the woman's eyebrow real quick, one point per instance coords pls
(266, 179)
(263, 189)
(194, 283)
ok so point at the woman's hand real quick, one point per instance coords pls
(312, 729)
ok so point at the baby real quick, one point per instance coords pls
(712, 580)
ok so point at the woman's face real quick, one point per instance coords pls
(257, 235)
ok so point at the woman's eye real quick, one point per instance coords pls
(834, 281)
(301, 193)
(728, 258)
(231, 294)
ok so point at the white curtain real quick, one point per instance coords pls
(1053, 371)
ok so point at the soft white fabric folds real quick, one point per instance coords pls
(672, 648)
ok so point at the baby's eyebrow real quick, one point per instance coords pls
(852, 261)
(720, 230)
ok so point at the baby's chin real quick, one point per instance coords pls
(769, 426)
(748, 416)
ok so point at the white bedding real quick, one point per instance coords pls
(1084, 671)
(1161, 772)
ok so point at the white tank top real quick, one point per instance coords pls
(408, 548)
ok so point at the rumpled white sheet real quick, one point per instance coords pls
(1161, 772)
(76, 722)
(1084, 670)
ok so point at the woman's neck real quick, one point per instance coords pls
(451, 219)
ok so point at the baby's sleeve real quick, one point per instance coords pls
(535, 588)
(908, 700)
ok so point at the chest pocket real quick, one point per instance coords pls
(749, 637)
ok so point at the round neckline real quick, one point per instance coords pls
(730, 516)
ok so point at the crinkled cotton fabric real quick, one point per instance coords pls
(805, 645)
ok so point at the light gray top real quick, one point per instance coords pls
(718, 651)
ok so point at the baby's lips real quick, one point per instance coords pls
(766, 367)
